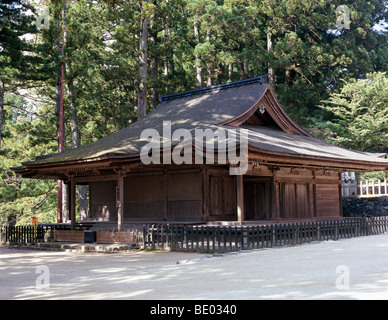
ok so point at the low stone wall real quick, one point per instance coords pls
(361, 207)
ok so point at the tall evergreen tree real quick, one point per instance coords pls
(359, 111)
(14, 63)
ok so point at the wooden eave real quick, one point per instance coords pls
(280, 158)
(273, 158)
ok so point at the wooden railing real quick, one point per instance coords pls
(228, 238)
(365, 189)
(23, 234)
(236, 238)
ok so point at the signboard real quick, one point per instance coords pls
(34, 222)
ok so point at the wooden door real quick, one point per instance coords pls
(222, 197)
(256, 200)
(294, 200)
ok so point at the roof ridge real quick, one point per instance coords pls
(260, 79)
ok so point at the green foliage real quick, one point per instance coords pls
(374, 176)
(360, 114)
(15, 24)
(20, 197)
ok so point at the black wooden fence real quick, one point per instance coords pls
(228, 238)
(23, 234)
(235, 238)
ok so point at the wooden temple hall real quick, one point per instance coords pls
(290, 174)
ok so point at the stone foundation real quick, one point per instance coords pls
(361, 207)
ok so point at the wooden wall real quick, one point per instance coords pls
(291, 194)
(221, 195)
(159, 195)
(184, 195)
(102, 200)
(209, 194)
(144, 196)
(258, 198)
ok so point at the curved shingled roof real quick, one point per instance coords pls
(247, 104)
(187, 111)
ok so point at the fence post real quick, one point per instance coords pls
(196, 238)
(288, 235)
(218, 238)
(380, 225)
(152, 237)
(257, 233)
(247, 238)
(304, 233)
(224, 239)
(202, 238)
(230, 238)
(274, 235)
(261, 236)
(366, 226)
(207, 238)
(358, 227)
(242, 237)
(369, 225)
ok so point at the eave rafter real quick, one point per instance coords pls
(279, 158)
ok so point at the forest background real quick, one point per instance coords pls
(328, 68)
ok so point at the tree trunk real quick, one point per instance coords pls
(142, 96)
(65, 202)
(230, 70)
(169, 59)
(210, 63)
(63, 206)
(1, 109)
(271, 74)
(76, 143)
(62, 190)
(197, 56)
(75, 134)
(154, 61)
(241, 69)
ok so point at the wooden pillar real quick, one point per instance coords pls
(240, 198)
(72, 202)
(120, 202)
(66, 211)
(340, 192)
(205, 194)
(277, 212)
(314, 196)
(165, 204)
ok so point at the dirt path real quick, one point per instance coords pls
(347, 269)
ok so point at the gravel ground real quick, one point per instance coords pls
(346, 269)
